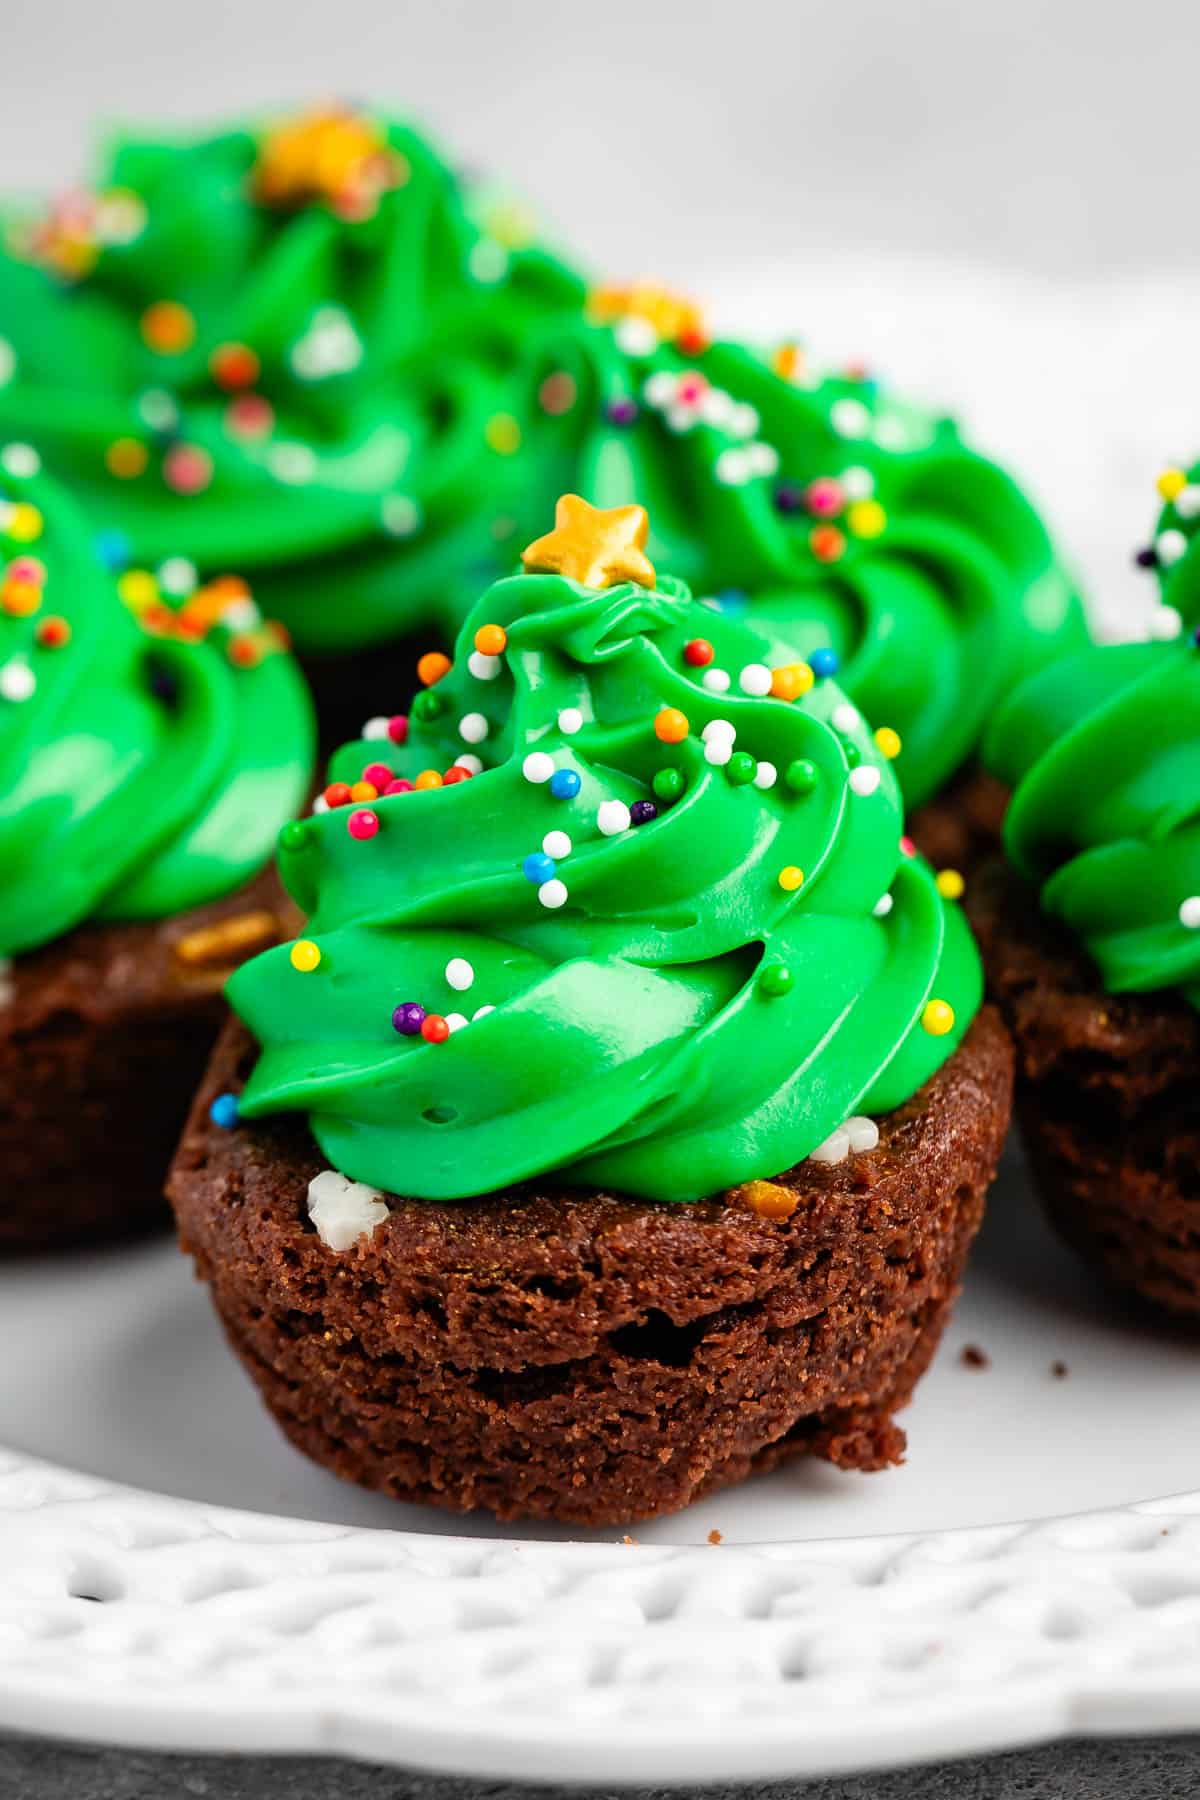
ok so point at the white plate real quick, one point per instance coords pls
(844, 1621)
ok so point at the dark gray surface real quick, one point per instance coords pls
(1121, 1770)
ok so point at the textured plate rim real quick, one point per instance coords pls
(133, 1618)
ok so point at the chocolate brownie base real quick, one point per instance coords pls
(587, 1358)
(1106, 1097)
(103, 1038)
(962, 826)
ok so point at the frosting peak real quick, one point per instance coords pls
(585, 915)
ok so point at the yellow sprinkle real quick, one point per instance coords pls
(24, 523)
(137, 588)
(790, 878)
(792, 680)
(503, 434)
(950, 884)
(866, 518)
(1171, 482)
(888, 741)
(938, 1017)
(126, 458)
(305, 955)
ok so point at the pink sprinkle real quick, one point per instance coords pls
(907, 847)
(824, 497)
(378, 774)
(399, 786)
(398, 728)
(363, 823)
(249, 416)
(27, 568)
(187, 469)
(690, 388)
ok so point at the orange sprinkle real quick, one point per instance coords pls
(168, 327)
(768, 1199)
(827, 543)
(490, 640)
(364, 790)
(428, 778)
(126, 458)
(229, 938)
(789, 682)
(432, 666)
(670, 725)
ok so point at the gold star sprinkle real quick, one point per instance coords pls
(597, 546)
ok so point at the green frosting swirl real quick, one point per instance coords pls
(422, 393)
(357, 464)
(1103, 755)
(141, 770)
(678, 1019)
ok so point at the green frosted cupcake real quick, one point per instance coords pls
(628, 1070)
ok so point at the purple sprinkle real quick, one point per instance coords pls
(1147, 558)
(621, 412)
(642, 811)
(788, 497)
(408, 1018)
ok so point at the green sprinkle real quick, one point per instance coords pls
(668, 784)
(801, 776)
(741, 768)
(293, 835)
(428, 704)
(775, 980)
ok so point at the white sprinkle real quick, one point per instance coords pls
(459, 974)
(766, 775)
(718, 751)
(857, 484)
(481, 1012)
(1170, 545)
(242, 615)
(473, 728)
(8, 362)
(681, 418)
(556, 844)
(1187, 502)
(835, 1149)
(553, 893)
(570, 720)
(850, 418)
(865, 779)
(744, 421)
(320, 804)
(716, 680)
(636, 338)
(20, 460)
(862, 1132)
(719, 728)
(456, 1021)
(344, 1211)
(1189, 912)
(469, 762)
(293, 463)
(375, 728)
(894, 433)
(482, 667)
(538, 766)
(883, 906)
(845, 717)
(755, 678)
(763, 459)
(716, 407)
(612, 817)
(733, 468)
(399, 515)
(1165, 623)
(488, 261)
(17, 681)
(178, 576)
(659, 391)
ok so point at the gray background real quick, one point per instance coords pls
(1052, 134)
(1043, 140)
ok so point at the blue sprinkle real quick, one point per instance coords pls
(224, 1111)
(733, 600)
(538, 867)
(823, 663)
(114, 549)
(565, 784)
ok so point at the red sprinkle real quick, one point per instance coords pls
(398, 728)
(337, 794)
(699, 653)
(455, 775)
(398, 785)
(54, 632)
(363, 823)
(434, 1028)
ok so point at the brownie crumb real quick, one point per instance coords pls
(1059, 1370)
(972, 1357)
(714, 1536)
